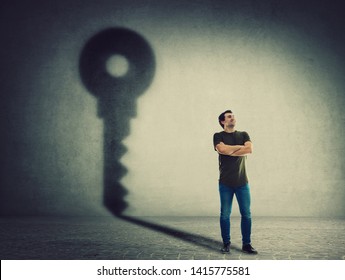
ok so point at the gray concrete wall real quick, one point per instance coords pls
(278, 66)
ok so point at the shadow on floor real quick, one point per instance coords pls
(195, 239)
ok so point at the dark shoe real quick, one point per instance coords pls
(247, 248)
(226, 248)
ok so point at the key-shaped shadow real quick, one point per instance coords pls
(117, 97)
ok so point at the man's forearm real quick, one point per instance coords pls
(235, 150)
(228, 149)
(244, 150)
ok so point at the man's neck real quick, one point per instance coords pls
(229, 129)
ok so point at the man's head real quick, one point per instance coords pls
(227, 118)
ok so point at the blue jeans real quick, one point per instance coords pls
(243, 198)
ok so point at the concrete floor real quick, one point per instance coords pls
(168, 238)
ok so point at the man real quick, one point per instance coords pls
(232, 147)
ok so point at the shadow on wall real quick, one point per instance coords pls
(116, 93)
(116, 96)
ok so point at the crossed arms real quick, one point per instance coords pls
(235, 150)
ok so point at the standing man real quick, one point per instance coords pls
(232, 147)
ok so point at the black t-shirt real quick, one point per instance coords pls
(232, 169)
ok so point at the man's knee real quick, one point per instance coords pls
(225, 214)
(246, 214)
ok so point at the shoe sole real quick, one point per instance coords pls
(250, 253)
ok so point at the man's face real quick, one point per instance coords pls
(229, 120)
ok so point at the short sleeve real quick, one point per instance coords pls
(245, 137)
(217, 138)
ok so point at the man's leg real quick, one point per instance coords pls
(226, 197)
(243, 198)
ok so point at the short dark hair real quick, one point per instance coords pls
(221, 117)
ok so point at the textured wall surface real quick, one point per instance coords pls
(277, 65)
